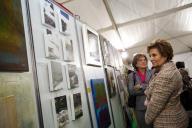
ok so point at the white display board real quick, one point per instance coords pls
(53, 32)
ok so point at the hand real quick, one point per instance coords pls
(146, 102)
(137, 87)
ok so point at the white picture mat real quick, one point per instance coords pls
(68, 49)
(63, 17)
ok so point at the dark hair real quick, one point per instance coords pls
(180, 64)
(136, 58)
(164, 48)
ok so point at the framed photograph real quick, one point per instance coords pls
(91, 46)
(68, 53)
(13, 53)
(55, 71)
(100, 103)
(105, 51)
(111, 55)
(52, 45)
(76, 106)
(60, 111)
(48, 13)
(64, 26)
(72, 76)
(110, 81)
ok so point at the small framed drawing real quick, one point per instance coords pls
(72, 76)
(55, 71)
(64, 24)
(91, 46)
(76, 106)
(52, 45)
(100, 103)
(60, 111)
(68, 53)
(48, 13)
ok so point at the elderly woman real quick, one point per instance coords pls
(138, 81)
(164, 109)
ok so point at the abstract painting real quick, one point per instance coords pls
(68, 54)
(13, 53)
(52, 45)
(64, 26)
(72, 76)
(61, 111)
(55, 75)
(76, 106)
(110, 82)
(100, 103)
(48, 14)
(91, 46)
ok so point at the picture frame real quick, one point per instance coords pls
(52, 45)
(72, 76)
(105, 51)
(64, 23)
(60, 111)
(13, 50)
(48, 14)
(91, 46)
(100, 103)
(76, 106)
(55, 73)
(68, 51)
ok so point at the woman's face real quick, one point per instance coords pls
(141, 63)
(156, 58)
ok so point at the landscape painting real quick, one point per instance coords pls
(13, 53)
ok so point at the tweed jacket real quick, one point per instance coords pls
(140, 96)
(164, 109)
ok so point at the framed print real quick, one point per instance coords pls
(68, 53)
(72, 76)
(105, 51)
(55, 71)
(91, 46)
(110, 81)
(111, 54)
(52, 45)
(13, 52)
(48, 13)
(100, 103)
(76, 106)
(64, 24)
(60, 111)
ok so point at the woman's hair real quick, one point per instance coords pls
(136, 58)
(164, 48)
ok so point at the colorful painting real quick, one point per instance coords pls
(61, 111)
(13, 53)
(100, 103)
(110, 82)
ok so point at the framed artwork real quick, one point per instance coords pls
(105, 51)
(100, 103)
(72, 76)
(91, 46)
(55, 71)
(110, 81)
(48, 13)
(60, 111)
(111, 55)
(64, 26)
(52, 45)
(68, 53)
(13, 53)
(76, 106)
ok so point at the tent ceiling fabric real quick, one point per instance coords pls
(139, 21)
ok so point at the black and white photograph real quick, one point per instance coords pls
(91, 46)
(72, 76)
(64, 24)
(105, 51)
(76, 106)
(68, 53)
(61, 111)
(52, 45)
(55, 75)
(48, 13)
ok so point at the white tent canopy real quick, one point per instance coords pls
(132, 24)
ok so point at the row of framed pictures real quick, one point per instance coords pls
(57, 70)
(49, 18)
(66, 105)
